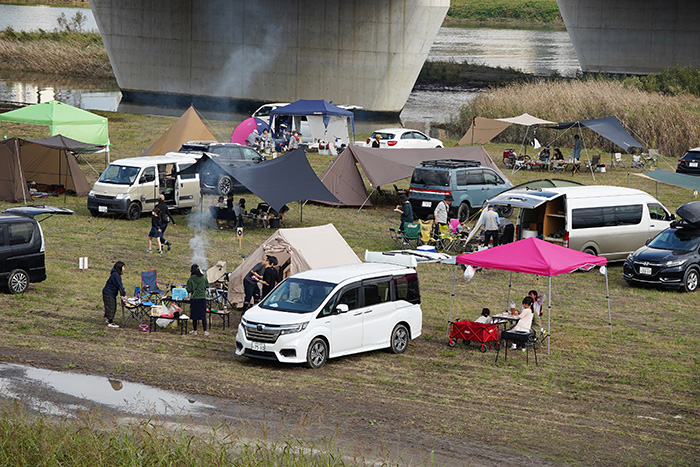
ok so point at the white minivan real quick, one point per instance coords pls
(131, 186)
(325, 313)
(607, 221)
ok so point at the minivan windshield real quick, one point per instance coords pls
(676, 240)
(119, 174)
(298, 296)
(430, 177)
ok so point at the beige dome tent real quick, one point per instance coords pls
(305, 248)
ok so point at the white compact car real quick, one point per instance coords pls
(325, 313)
(402, 138)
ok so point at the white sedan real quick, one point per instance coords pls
(401, 138)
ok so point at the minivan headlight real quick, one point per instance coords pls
(122, 196)
(675, 262)
(92, 193)
(292, 328)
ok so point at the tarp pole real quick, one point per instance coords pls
(549, 312)
(21, 173)
(607, 297)
(301, 211)
(510, 284)
(452, 299)
(366, 199)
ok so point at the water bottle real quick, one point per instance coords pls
(512, 307)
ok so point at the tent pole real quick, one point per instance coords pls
(607, 297)
(452, 299)
(301, 211)
(21, 173)
(549, 313)
(65, 194)
(366, 199)
(510, 284)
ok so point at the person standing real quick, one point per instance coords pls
(270, 277)
(112, 287)
(165, 217)
(577, 148)
(155, 231)
(404, 207)
(294, 141)
(507, 231)
(490, 224)
(375, 142)
(442, 210)
(197, 286)
(239, 211)
(250, 284)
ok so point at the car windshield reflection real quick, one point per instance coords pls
(676, 240)
(119, 174)
(297, 296)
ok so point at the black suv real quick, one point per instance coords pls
(672, 258)
(22, 246)
(689, 163)
(226, 155)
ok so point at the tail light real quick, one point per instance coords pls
(368, 140)
(566, 239)
(391, 143)
(517, 231)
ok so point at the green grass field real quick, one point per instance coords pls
(591, 401)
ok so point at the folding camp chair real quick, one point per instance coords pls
(137, 306)
(447, 240)
(637, 162)
(593, 163)
(651, 159)
(618, 160)
(150, 287)
(426, 232)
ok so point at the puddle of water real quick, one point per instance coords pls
(62, 393)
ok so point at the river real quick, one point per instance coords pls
(541, 52)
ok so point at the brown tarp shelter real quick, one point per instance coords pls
(305, 248)
(483, 130)
(383, 166)
(49, 162)
(189, 127)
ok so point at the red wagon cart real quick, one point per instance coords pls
(470, 331)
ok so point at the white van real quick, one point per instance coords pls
(325, 313)
(606, 221)
(131, 186)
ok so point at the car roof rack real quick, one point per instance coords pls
(451, 163)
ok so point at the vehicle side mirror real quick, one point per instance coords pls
(342, 308)
(258, 158)
(648, 241)
(672, 217)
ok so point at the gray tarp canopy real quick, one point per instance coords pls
(609, 128)
(383, 166)
(277, 181)
(63, 142)
(671, 178)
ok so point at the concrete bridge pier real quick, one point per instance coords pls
(360, 52)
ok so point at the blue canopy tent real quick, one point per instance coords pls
(332, 119)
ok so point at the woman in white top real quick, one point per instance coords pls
(525, 322)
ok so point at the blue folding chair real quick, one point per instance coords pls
(150, 283)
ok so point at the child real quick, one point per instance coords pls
(485, 317)
(112, 287)
(155, 231)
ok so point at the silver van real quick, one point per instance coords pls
(601, 220)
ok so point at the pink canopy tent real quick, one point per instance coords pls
(543, 258)
(246, 127)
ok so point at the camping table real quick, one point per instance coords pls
(225, 316)
(573, 165)
(181, 322)
(504, 319)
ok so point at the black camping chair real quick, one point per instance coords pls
(526, 339)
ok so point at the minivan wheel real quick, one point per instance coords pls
(590, 251)
(18, 282)
(133, 212)
(94, 213)
(225, 185)
(463, 212)
(691, 280)
(317, 355)
(399, 339)
(185, 211)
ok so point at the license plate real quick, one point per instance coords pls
(426, 204)
(693, 164)
(259, 346)
(645, 271)
(102, 208)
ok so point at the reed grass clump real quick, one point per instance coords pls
(668, 123)
(542, 11)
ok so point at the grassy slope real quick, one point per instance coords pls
(591, 401)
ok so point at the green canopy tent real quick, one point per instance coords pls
(63, 119)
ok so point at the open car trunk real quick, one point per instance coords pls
(542, 213)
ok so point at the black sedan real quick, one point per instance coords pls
(671, 259)
(689, 163)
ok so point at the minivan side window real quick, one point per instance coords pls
(20, 233)
(148, 175)
(469, 177)
(377, 291)
(585, 218)
(186, 176)
(491, 178)
(406, 288)
(350, 297)
(2, 235)
(657, 212)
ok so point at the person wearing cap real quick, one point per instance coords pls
(294, 141)
(442, 211)
(404, 207)
(490, 224)
(375, 143)
(253, 138)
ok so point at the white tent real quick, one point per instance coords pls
(484, 130)
(305, 248)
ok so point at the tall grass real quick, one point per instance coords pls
(93, 439)
(668, 123)
(542, 11)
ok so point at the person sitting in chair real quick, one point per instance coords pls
(524, 324)
(544, 154)
(558, 155)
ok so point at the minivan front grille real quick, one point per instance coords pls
(104, 197)
(259, 332)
